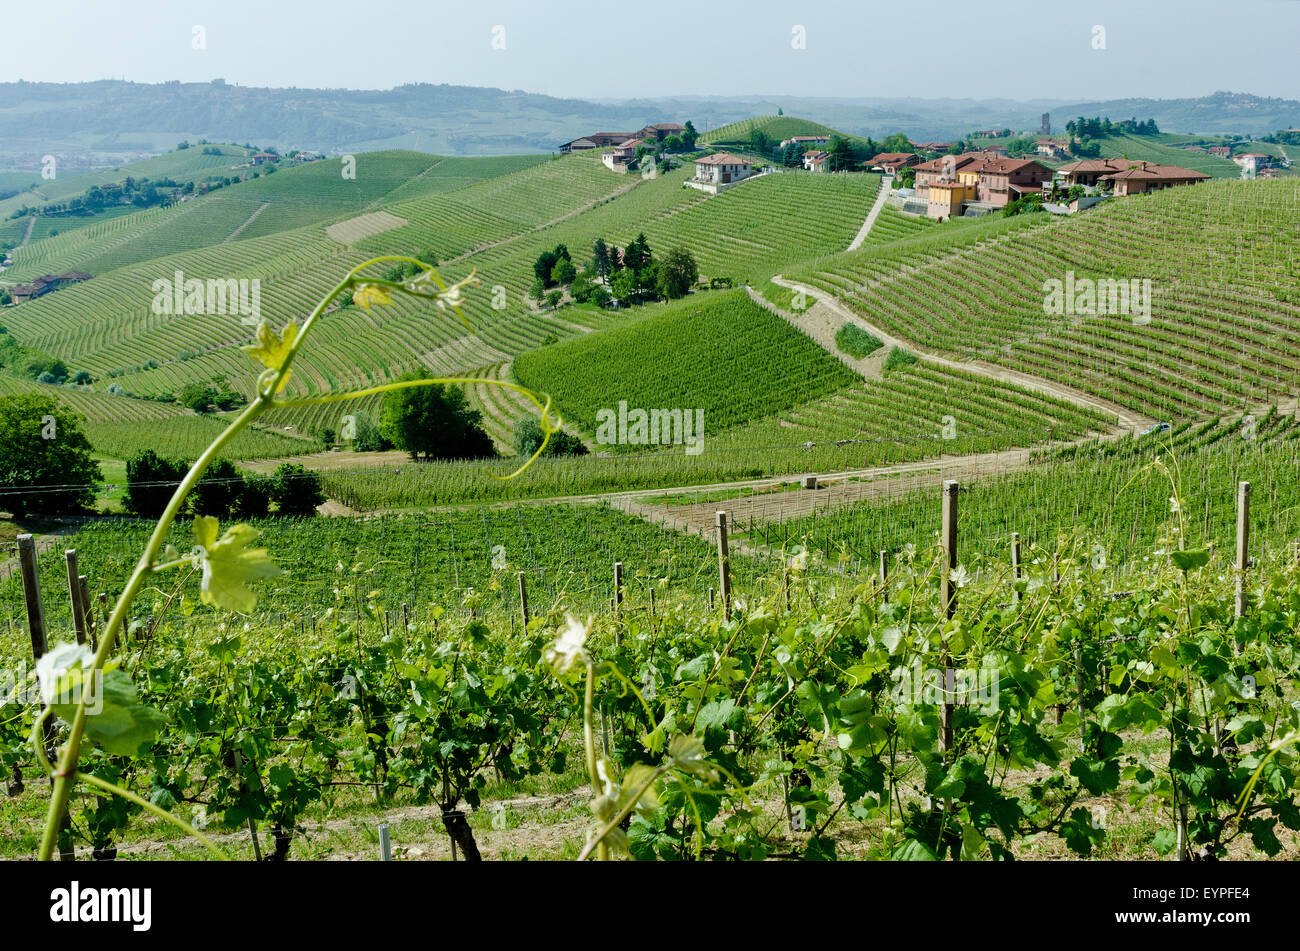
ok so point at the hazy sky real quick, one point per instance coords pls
(1018, 49)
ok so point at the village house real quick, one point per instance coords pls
(806, 140)
(1222, 151)
(816, 161)
(45, 284)
(1143, 177)
(261, 158)
(721, 170)
(1052, 148)
(597, 140)
(1253, 162)
(622, 155)
(891, 163)
(660, 131)
(986, 180)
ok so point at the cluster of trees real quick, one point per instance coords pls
(36, 365)
(684, 142)
(206, 397)
(223, 491)
(631, 275)
(433, 422)
(528, 436)
(1284, 137)
(140, 193)
(1100, 128)
(46, 466)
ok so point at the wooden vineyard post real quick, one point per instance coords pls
(724, 565)
(785, 590)
(83, 583)
(406, 618)
(1015, 565)
(884, 577)
(1243, 544)
(949, 593)
(74, 595)
(385, 847)
(710, 600)
(523, 600)
(618, 587)
(36, 631)
(652, 608)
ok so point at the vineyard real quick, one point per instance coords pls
(799, 720)
(1222, 271)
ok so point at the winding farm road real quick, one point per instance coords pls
(882, 194)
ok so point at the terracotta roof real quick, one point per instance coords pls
(1151, 171)
(1095, 165)
(722, 158)
(958, 161)
(668, 126)
(891, 157)
(1004, 166)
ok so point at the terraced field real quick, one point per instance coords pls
(1224, 306)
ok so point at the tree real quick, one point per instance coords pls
(623, 286)
(599, 295)
(366, 436)
(600, 258)
(543, 265)
(564, 272)
(689, 136)
(760, 142)
(673, 143)
(528, 436)
(582, 287)
(196, 396)
(255, 499)
(637, 255)
(219, 490)
(296, 490)
(677, 274)
(41, 446)
(841, 154)
(151, 480)
(434, 421)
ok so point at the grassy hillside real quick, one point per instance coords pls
(775, 127)
(1221, 258)
(721, 353)
(1151, 149)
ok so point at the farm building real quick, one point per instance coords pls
(46, 283)
(891, 163)
(816, 161)
(806, 140)
(721, 170)
(1143, 177)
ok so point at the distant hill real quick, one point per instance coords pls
(112, 121)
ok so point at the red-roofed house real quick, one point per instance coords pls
(720, 170)
(891, 163)
(816, 161)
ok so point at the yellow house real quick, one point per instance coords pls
(947, 198)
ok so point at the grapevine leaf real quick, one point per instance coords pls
(115, 717)
(229, 563)
(1187, 560)
(271, 350)
(367, 295)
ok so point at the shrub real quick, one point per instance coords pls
(856, 342)
(898, 357)
(296, 490)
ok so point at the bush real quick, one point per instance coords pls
(528, 436)
(434, 421)
(255, 500)
(856, 342)
(151, 480)
(219, 491)
(898, 357)
(296, 490)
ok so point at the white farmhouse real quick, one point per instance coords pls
(721, 170)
